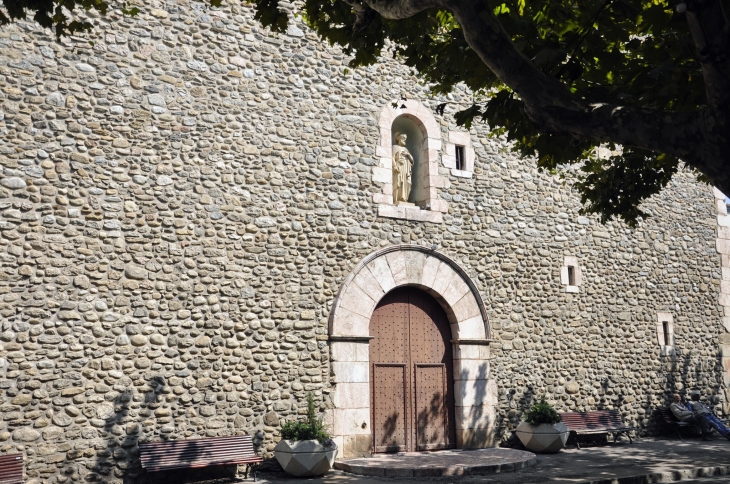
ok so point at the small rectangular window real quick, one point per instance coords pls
(460, 159)
(667, 336)
(571, 276)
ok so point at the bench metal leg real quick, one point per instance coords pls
(252, 469)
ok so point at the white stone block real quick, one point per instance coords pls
(433, 144)
(430, 266)
(439, 206)
(382, 175)
(466, 309)
(448, 161)
(386, 198)
(470, 392)
(369, 284)
(475, 417)
(444, 276)
(417, 215)
(722, 246)
(472, 328)
(471, 370)
(440, 182)
(349, 421)
(414, 266)
(351, 371)
(723, 220)
(391, 211)
(344, 351)
(461, 173)
(381, 271)
(470, 158)
(456, 290)
(351, 395)
(721, 207)
(397, 263)
(466, 352)
(356, 300)
(348, 323)
(461, 138)
(718, 194)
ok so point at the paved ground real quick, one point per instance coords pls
(437, 464)
(622, 463)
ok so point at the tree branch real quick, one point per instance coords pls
(699, 138)
(710, 28)
(400, 9)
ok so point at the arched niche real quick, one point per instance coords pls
(424, 144)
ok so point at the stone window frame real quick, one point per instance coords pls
(383, 173)
(459, 138)
(663, 317)
(571, 261)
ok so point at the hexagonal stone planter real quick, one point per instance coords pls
(543, 438)
(305, 458)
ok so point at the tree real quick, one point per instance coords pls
(648, 79)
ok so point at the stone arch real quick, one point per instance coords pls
(400, 265)
(377, 274)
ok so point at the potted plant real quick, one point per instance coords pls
(306, 449)
(542, 431)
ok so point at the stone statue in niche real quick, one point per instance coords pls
(402, 169)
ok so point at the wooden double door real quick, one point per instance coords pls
(412, 383)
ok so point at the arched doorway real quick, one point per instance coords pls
(412, 382)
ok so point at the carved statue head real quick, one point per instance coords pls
(400, 139)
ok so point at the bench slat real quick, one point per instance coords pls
(197, 453)
(596, 422)
(599, 420)
(11, 469)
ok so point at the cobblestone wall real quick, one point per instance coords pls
(181, 200)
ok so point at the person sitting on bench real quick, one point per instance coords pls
(684, 414)
(700, 408)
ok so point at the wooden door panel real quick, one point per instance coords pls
(390, 428)
(389, 328)
(431, 412)
(412, 401)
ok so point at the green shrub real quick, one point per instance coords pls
(542, 413)
(311, 429)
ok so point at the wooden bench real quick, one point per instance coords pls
(198, 453)
(11, 469)
(675, 424)
(596, 422)
(672, 421)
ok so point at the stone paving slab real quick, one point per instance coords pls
(440, 463)
(646, 461)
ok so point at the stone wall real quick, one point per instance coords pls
(181, 201)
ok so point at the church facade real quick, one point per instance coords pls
(202, 222)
